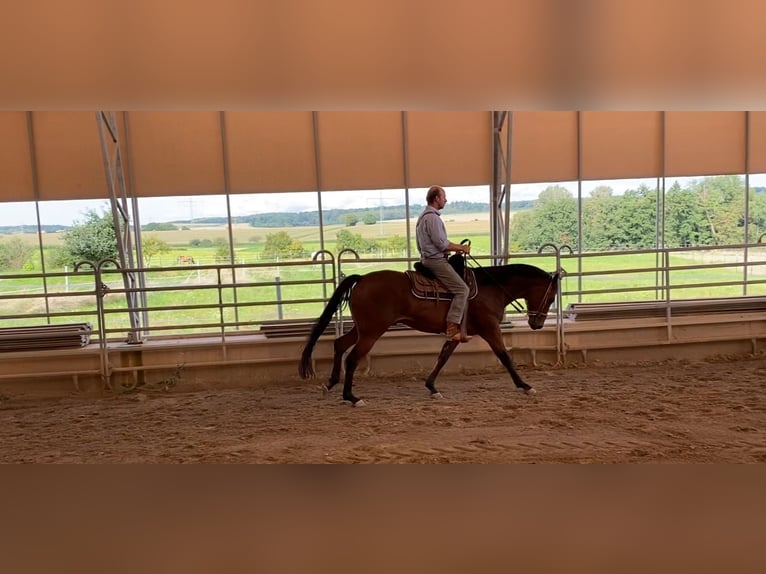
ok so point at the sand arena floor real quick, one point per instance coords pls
(707, 411)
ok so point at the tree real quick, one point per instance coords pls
(757, 222)
(351, 219)
(397, 245)
(347, 240)
(369, 218)
(201, 242)
(553, 220)
(151, 246)
(92, 240)
(296, 249)
(685, 224)
(723, 203)
(601, 229)
(344, 239)
(707, 212)
(15, 253)
(222, 250)
(636, 216)
(162, 226)
(281, 245)
(370, 246)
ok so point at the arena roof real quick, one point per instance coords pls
(383, 55)
(260, 95)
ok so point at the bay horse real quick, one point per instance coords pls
(380, 299)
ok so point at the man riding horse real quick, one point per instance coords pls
(386, 297)
(434, 247)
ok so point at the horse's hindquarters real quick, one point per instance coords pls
(383, 298)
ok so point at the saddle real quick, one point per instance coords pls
(425, 285)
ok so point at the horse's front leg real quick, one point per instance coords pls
(495, 341)
(444, 356)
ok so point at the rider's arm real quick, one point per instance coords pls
(458, 248)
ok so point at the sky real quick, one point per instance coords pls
(184, 208)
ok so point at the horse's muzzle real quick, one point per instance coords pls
(536, 321)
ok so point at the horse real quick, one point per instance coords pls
(380, 299)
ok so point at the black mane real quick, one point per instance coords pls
(502, 273)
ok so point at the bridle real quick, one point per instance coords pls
(539, 312)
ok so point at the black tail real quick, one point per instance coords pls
(341, 295)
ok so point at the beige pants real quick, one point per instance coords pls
(452, 281)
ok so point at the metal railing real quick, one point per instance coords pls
(228, 300)
(199, 299)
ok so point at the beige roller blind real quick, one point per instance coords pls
(544, 147)
(69, 160)
(16, 182)
(757, 142)
(621, 145)
(449, 148)
(270, 151)
(704, 143)
(175, 153)
(361, 150)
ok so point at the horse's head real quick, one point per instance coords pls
(539, 298)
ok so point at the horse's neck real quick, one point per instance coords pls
(511, 279)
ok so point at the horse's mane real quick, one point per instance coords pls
(502, 273)
(491, 273)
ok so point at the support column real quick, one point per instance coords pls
(124, 230)
(500, 191)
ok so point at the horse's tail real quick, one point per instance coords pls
(340, 296)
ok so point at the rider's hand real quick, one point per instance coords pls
(466, 249)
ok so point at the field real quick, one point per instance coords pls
(249, 241)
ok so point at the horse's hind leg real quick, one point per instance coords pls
(495, 341)
(444, 356)
(359, 352)
(341, 345)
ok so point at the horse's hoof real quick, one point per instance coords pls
(360, 403)
(530, 391)
(437, 395)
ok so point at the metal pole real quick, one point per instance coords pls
(36, 193)
(500, 208)
(227, 191)
(746, 257)
(278, 284)
(318, 174)
(406, 164)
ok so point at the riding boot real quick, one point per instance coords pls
(464, 337)
(455, 333)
